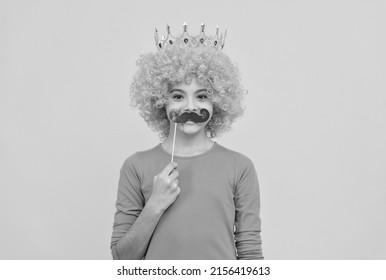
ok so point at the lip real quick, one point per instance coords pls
(190, 122)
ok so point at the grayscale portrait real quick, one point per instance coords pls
(213, 130)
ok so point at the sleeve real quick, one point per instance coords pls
(130, 201)
(247, 207)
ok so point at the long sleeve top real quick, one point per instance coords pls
(215, 216)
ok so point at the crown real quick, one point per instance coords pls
(185, 40)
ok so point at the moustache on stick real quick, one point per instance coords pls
(183, 117)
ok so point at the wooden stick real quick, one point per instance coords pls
(174, 140)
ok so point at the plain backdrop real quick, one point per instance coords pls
(314, 125)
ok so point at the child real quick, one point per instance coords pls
(205, 203)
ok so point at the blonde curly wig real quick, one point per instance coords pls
(158, 71)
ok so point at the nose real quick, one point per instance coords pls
(191, 103)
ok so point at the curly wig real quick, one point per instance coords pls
(213, 69)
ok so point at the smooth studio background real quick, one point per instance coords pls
(314, 125)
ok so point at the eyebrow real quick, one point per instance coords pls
(182, 91)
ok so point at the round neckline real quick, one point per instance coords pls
(188, 157)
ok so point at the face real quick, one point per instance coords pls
(189, 96)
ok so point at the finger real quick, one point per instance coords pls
(168, 169)
(174, 184)
(173, 176)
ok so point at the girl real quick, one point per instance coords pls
(205, 203)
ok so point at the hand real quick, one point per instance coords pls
(165, 188)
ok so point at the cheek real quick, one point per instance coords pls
(210, 109)
(168, 109)
(170, 106)
(174, 105)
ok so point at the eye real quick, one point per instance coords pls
(177, 96)
(202, 96)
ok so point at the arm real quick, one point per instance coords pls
(133, 245)
(134, 221)
(247, 220)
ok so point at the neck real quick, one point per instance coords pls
(187, 145)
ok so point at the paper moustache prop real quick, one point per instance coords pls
(183, 117)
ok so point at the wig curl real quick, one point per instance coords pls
(159, 71)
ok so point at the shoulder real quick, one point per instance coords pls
(240, 167)
(235, 157)
(141, 157)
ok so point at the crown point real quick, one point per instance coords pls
(184, 39)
